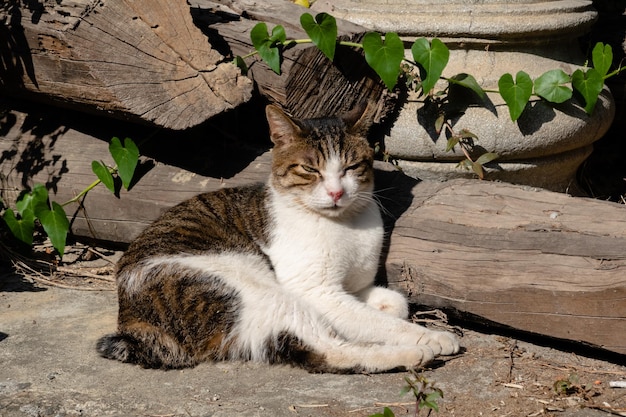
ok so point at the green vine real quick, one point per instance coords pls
(386, 56)
(35, 207)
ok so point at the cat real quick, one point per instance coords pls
(276, 273)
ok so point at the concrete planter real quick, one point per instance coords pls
(488, 38)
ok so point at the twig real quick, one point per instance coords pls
(565, 368)
(609, 410)
(101, 255)
(41, 278)
(78, 272)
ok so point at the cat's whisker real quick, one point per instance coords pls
(382, 190)
(368, 198)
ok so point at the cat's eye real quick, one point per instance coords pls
(354, 166)
(309, 169)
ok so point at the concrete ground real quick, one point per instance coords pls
(49, 367)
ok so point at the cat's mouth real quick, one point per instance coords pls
(335, 210)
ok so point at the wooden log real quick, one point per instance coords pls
(142, 59)
(39, 147)
(147, 60)
(310, 85)
(525, 258)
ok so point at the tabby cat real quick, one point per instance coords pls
(277, 273)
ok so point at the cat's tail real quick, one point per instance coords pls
(118, 347)
(126, 348)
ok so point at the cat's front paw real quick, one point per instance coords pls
(443, 343)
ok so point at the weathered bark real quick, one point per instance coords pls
(525, 258)
(140, 59)
(529, 259)
(310, 85)
(147, 60)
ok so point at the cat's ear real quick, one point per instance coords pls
(360, 118)
(283, 130)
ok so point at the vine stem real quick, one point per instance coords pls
(301, 41)
(86, 190)
(352, 44)
(614, 73)
(82, 193)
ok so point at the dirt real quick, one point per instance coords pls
(49, 324)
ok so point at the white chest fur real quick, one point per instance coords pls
(309, 251)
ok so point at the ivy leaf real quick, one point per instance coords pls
(486, 158)
(478, 169)
(516, 93)
(452, 142)
(550, 86)
(323, 32)
(468, 81)
(56, 225)
(34, 202)
(104, 175)
(266, 45)
(589, 84)
(430, 401)
(126, 157)
(439, 122)
(602, 57)
(432, 58)
(384, 57)
(23, 228)
(241, 64)
(386, 413)
(466, 134)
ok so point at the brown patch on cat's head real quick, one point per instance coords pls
(309, 153)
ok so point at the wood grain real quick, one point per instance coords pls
(532, 260)
(309, 85)
(143, 60)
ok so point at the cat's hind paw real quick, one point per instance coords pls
(443, 343)
(388, 301)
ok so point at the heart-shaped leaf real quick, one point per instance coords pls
(468, 81)
(589, 84)
(516, 93)
(323, 32)
(486, 158)
(126, 157)
(551, 86)
(21, 228)
(602, 57)
(267, 46)
(432, 58)
(384, 57)
(56, 225)
(34, 202)
(104, 175)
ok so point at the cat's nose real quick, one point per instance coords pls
(335, 195)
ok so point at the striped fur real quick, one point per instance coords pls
(277, 273)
